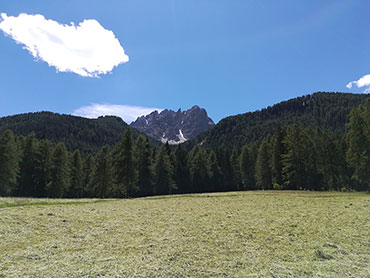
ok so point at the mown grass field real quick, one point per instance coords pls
(247, 234)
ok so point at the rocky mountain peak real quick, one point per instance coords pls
(174, 127)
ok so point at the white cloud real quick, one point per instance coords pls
(126, 112)
(362, 82)
(86, 49)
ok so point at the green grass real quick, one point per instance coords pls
(23, 202)
(248, 234)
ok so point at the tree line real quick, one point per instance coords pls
(292, 158)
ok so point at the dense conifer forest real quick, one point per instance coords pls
(325, 110)
(313, 154)
(77, 133)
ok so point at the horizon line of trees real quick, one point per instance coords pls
(294, 158)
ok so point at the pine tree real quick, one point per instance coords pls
(223, 158)
(26, 182)
(215, 171)
(76, 188)
(235, 164)
(88, 168)
(124, 166)
(309, 141)
(59, 174)
(358, 140)
(293, 159)
(179, 160)
(163, 173)
(329, 159)
(9, 163)
(199, 170)
(144, 166)
(102, 176)
(42, 167)
(263, 170)
(247, 169)
(276, 156)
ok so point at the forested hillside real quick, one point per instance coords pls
(325, 110)
(86, 135)
(305, 154)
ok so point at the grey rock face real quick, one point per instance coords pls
(174, 127)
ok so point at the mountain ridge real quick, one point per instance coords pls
(174, 127)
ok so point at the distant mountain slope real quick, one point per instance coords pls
(87, 135)
(174, 127)
(329, 110)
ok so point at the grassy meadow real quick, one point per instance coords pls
(243, 234)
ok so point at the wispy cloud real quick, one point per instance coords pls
(362, 82)
(86, 49)
(127, 112)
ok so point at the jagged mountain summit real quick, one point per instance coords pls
(174, 127)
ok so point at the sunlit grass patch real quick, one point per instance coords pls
(237, 234)
(6, 202)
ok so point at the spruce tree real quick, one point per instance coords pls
(247, 169)
(215, 171)
(26, 182)
(76, 187)
(124, 166)
(88, 168)
(42, 167)
(102, 176)
(263, 170)
(276, 157)
(179, 160)
(144, 166)
(235, 164)
(163, 173)
(59, 174)
(9, 163)
(293, 160)
(358, 140)
(223, 158)
(199, 170)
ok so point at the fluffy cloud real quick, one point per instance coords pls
(126, 112)
(86, 49)
(362, 82)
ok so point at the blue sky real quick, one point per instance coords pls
(229, 57)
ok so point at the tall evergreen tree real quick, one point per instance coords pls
(26, 182)
(163, 173)
(102, 176)
(199, 170)
(247, 169)
(59, 174)
(179, 160)
(42, 167)
(311, 179)
(330, 158)
(235, 164)
(215, 171)
(124, 166)
(88, 168)
(223, 158)
(144, 166)
(293, 159)
(276, 156)
(9, 163)
(263, 170)
(358, 140)
(76, 187)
